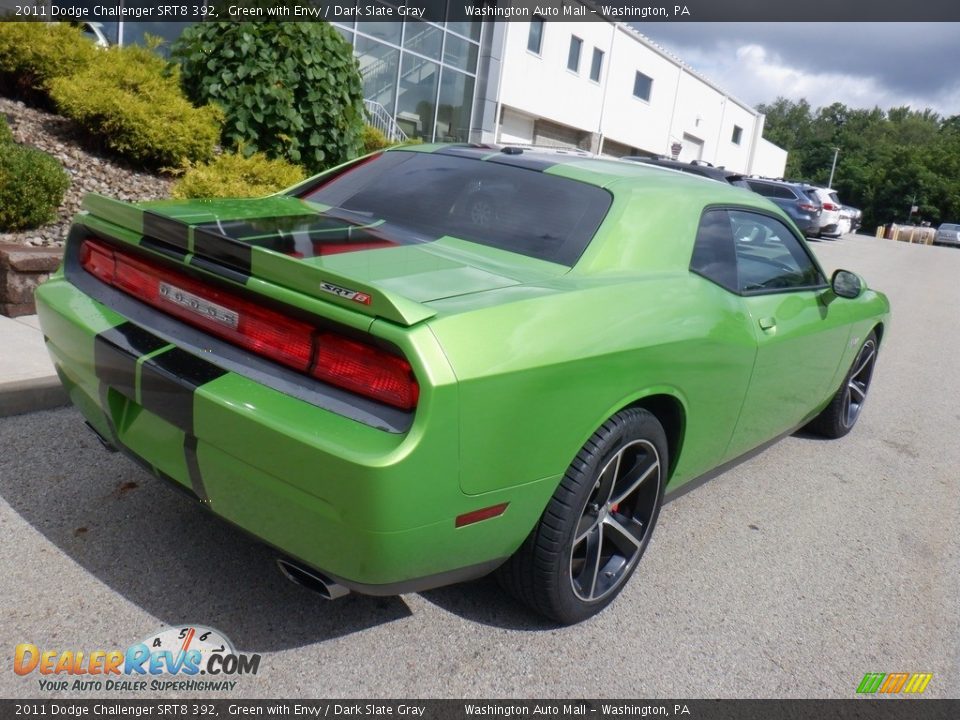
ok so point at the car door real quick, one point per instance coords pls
(799, 341)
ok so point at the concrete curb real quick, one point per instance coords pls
(24, 396)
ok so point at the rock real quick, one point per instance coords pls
(88, 172)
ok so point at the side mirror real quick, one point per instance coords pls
(846, 284)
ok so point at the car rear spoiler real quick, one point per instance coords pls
(238, 260)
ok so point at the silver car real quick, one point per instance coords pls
(947, 234)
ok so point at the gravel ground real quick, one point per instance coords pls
(791, 575)
(88, 172)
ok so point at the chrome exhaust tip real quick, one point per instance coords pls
(311, 580)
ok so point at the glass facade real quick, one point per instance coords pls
(422, 73)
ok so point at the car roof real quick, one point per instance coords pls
(611, 173)
(694, 166)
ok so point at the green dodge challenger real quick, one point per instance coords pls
(439, 361)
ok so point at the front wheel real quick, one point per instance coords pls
(839, 417)
(597, 525)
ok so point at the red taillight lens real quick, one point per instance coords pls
(98, 261)
(365, 369)
(830, 206)
(349, 364)
(808, 207)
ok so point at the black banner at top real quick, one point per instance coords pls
(482, 10)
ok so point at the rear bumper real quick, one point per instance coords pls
(807, 224)
(373, 509)
(832, 230)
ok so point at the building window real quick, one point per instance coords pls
(573, 59)
(596, 66)
(535, 38)
(642, 85)
(737, 135)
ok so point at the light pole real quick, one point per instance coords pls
(836, 151)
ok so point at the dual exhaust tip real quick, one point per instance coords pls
(312, 580)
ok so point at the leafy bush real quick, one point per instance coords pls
(291, 90)
(32, 54)
(32, 185)
(235, 175)
(129, 100)
(373, 140)
(6, 136)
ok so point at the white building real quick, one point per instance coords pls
(605, 87)
(592, 84)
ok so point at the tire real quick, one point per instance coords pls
(838, 418)
(598, 523)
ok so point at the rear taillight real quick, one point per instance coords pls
(830, 206)
(808, 207)
(365, 369)
(340, 361)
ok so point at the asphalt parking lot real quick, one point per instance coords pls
(791, 575)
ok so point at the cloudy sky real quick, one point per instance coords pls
(858, 64)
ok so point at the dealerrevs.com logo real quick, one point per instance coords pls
(186, 658)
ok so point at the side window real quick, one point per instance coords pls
(761, 188)
(769, 256)
(713, 252)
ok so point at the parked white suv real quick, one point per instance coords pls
(830, 217)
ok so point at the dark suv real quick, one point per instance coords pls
(694, 168)
(799, 201)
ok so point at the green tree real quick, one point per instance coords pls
(289, 89)
(886, 159)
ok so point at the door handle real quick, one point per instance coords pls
(768, 323)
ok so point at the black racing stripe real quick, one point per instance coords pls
(133, 339)
(468, 151)
(115, 353)
(223, 250)
(528, 161)
(166, 230)
(108, 415)
(193, 467)
(171, 251)
(221, 270)
(167, 383)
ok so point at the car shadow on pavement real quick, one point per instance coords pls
(483, 601)
(158, 549)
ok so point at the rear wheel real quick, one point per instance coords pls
(839, 417)
(598, 522)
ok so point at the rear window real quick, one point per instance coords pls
(419, 197)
